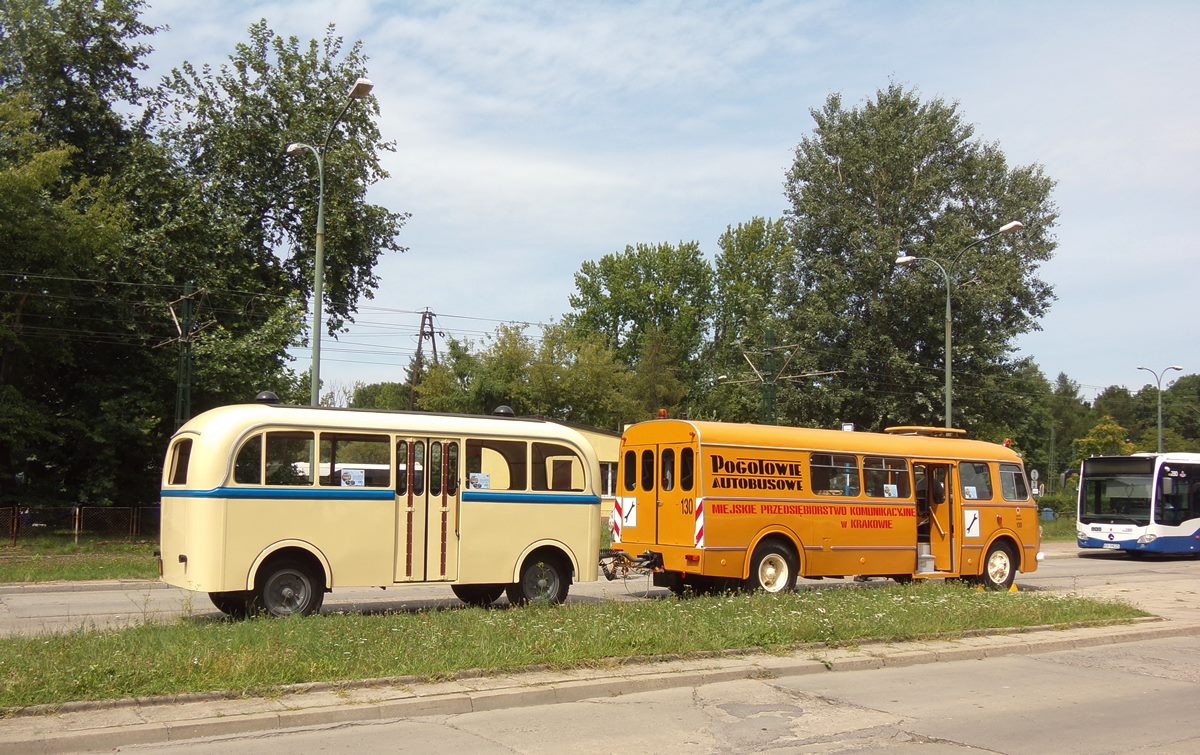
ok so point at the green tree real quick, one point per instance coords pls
(381, 396)
(662, 288)
(77, 60)
(91, 340)
(1117, 402)
(902, 175)
(65, 230)
(575, 377)
(228, 130)
(1105, 438)
(745, 360)
(1181, 410)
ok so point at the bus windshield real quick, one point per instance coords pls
(1116, 490)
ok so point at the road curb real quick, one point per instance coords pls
(158, 721)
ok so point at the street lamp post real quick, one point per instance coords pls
(905, 259)
(360, 89)
(1158, 376)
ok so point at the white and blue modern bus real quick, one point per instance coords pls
(1144, 503)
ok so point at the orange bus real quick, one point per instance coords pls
(711, 505)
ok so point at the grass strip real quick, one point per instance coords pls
(52, 558)
(261, 655)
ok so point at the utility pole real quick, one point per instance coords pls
(415, 372)
(186, 327)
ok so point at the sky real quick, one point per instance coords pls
(532, 136)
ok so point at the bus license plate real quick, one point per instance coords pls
(1112, 546)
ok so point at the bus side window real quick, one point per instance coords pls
(885, 477)
(556, 467)
(630, 471)
(976, 481)
(834, 474)
(1012, 483)
(247, 468)
(354, 460)
(494, 464)
(290, 458)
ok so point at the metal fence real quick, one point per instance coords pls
(133, 522)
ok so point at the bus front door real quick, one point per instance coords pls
(427, 490)
(935, 497)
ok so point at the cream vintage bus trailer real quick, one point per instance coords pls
(267, 507)
(709, 504)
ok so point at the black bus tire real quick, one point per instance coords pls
(288, 588)
(543, 578)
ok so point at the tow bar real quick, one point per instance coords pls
(614, 562)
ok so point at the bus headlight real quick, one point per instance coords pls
(1146, 539)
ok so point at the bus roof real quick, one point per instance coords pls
(236, 419)
(772, 436)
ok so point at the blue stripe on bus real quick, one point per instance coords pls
(376, 494)
(475, 496)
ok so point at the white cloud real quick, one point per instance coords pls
(532, 136)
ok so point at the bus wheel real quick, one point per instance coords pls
(287, 588)
(235, 604)
(901, 579)
(999, 568)
(772, 568)
(543, 578)
(478, 595)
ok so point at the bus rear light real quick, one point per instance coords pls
(692, 558)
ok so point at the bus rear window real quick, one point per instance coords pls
(181, 454)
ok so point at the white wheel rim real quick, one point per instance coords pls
(773, 573)
(998, 567)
